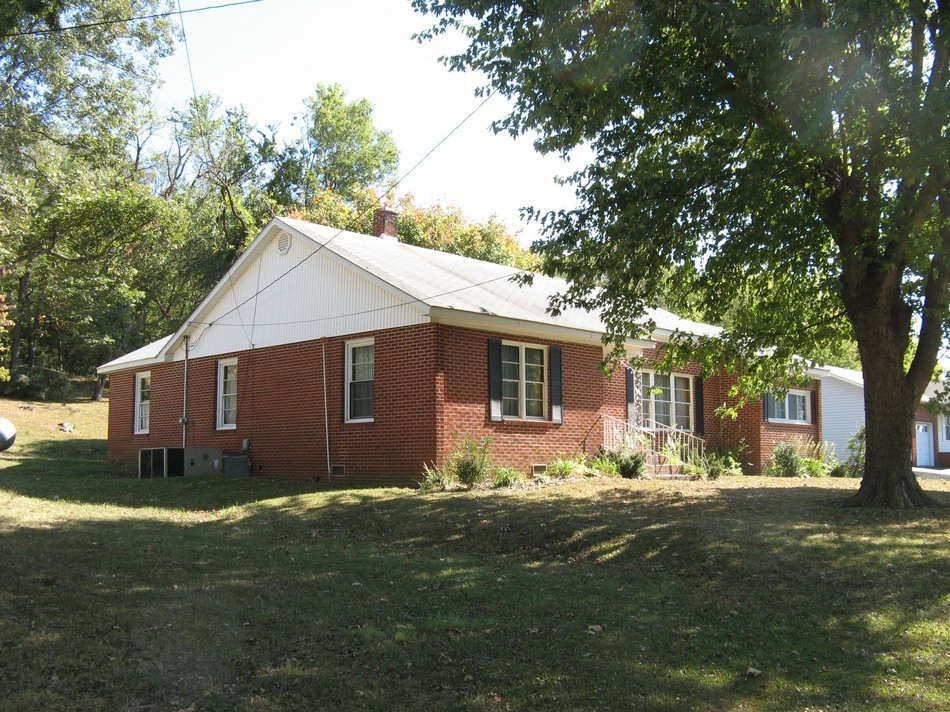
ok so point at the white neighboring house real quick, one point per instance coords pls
(842, 408)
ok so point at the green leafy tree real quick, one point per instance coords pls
(15, 12)
(438, 227)
(67, 106)
(793, 152)
(339, 149)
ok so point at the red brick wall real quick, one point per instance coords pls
(431, 389)
(587, 393)
(281, 409)
(750, 430)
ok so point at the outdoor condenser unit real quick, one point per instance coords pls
(179, 461)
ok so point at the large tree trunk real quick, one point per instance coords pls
(100, 387)
(889, 406)
(19, 314)
(882, 321)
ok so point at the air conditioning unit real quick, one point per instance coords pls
(236, 465)
(179, 461)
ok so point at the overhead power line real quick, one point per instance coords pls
(136, 18)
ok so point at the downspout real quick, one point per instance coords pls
(184, 400)
(326, 410)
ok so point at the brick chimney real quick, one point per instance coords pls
(385, 224)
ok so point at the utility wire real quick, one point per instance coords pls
(203, 133)
(103, 23)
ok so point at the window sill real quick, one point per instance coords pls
(513, 419)
(227, 427)
(140, 432)
(359, 420)
(773, 421)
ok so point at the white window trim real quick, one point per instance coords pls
(692, 398)
(220, 397)
(350, 345)
(545, 407)
(138, 402)
(795, 421)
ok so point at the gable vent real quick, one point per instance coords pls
(283, 243)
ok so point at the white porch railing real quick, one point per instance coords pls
(658, 443)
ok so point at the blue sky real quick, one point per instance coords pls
(269, 56)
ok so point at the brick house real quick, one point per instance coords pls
(329, 354)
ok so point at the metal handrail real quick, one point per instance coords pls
(657, 442)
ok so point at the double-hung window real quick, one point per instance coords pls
(360, 356)
(524, 386)
(945, 423)
(143, 401)
(227, 394)
(793, 407)
(668, 400)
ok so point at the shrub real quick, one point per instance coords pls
(716, 464)
(815, 468)
(630, 464)
(507, 477)
(37, 384)
(857, 445)
(603, 465)
(470, 463)
(434, 479)
(786, 462)
(563, 467)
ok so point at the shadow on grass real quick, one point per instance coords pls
(620, 597)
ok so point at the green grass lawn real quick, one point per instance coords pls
(245, 594)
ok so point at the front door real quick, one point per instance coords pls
(925, 445)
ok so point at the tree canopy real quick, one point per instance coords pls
(787, 161)
(339, 148)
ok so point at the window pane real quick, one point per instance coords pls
(780, 409)
(683, 416)
(534, 408)
(662, 412)
(361, 399)
(509, 371)
(798, 407)
(534, 373)
(534, 391)
(229, 410)
(509, 407)
(510, 353)
(509, 389)
(681, 389)
(534, 357)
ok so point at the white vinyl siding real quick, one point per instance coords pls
(524, 381)
(360, 357)
(842, 413)
(794, 407)
(227, 394)
(668, 399)
(143, 402)
(323, 296)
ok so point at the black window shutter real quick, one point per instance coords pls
(494, 378)
(557, 385)
(814, 406)
(766, 400)
(631, 398)
(700, 420)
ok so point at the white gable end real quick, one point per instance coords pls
(292, 291)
